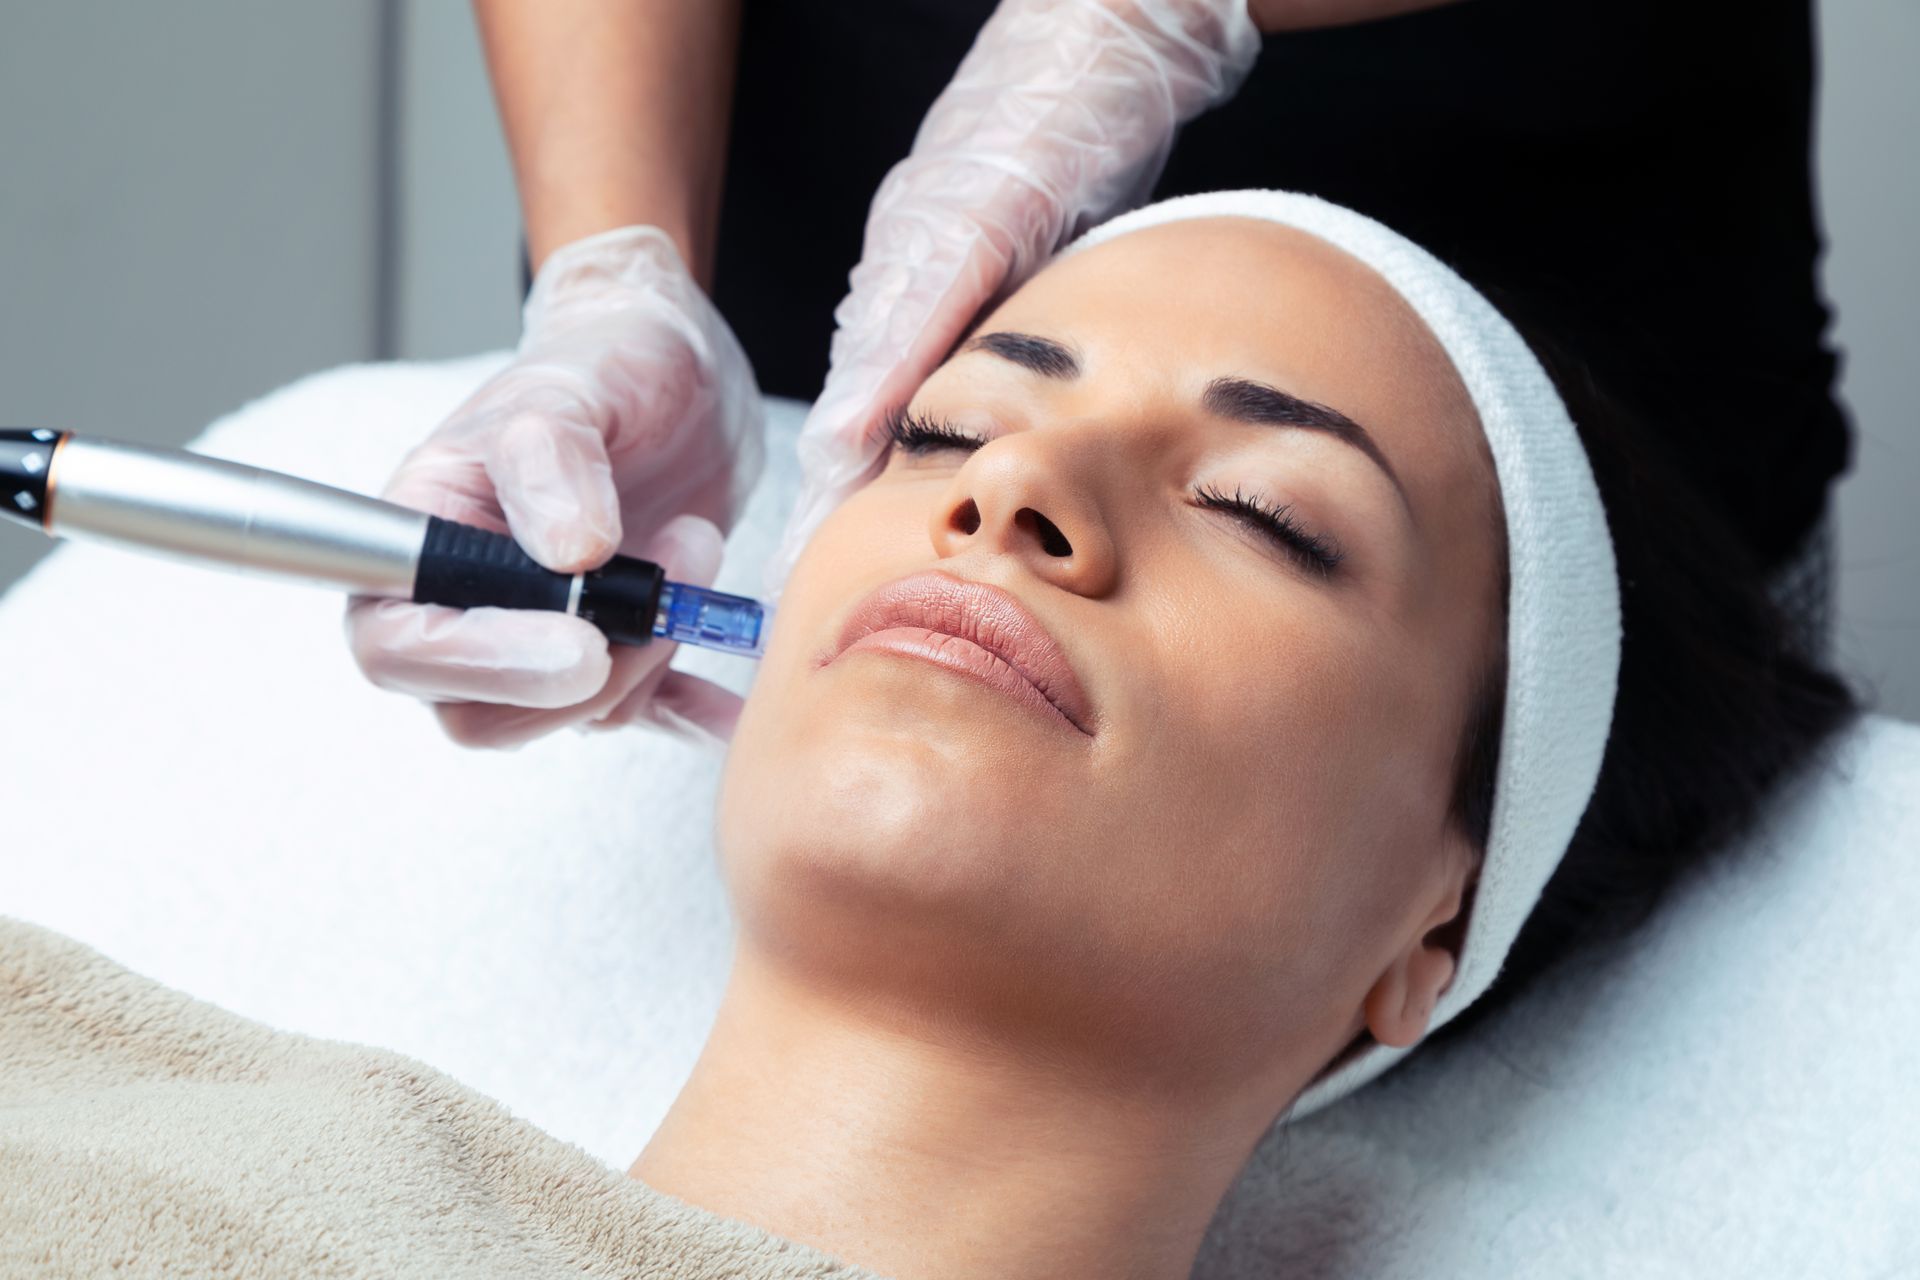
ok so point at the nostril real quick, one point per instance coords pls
(1052, 541)
(966, 518)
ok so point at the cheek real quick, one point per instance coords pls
(1277, 787)
(773, 731)
(877, 534)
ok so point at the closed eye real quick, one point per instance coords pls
(917, 434)
(1316, 552)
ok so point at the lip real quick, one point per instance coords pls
(976, 630)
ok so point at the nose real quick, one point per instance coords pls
(1031, 498)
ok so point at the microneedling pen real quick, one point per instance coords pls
(212, 512)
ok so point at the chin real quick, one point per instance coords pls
(879, 844)
(850, 814)
(896, 754)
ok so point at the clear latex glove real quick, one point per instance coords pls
(629, 403)
(1060, 115)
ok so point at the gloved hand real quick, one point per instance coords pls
(1060, 115)
(629, 402)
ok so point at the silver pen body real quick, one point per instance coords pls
(208, 510)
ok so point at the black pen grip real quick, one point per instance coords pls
(469, 568)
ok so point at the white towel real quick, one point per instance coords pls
(211, 795)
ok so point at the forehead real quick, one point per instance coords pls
(1245, 297)
(1241, 283)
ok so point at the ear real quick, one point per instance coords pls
(1401, 1002)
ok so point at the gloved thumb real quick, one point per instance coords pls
(555, 484)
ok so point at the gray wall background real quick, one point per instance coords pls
(205, 199)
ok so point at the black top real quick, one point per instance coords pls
(1640, 168)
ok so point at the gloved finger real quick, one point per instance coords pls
(998, 180)
(1060, 114)
(483, 724)
(947, 233)
(691, 708)
(684, 704)
(697, 709)
(689, 549)
(525, 658)
(555, 483)
(904, 318)
(440, 483)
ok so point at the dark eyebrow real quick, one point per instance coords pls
(1039, 355)
(1247, 401)
(1240, 399)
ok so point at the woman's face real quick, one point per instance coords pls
(1204, 838)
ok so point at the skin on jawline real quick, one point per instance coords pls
(1011, 999)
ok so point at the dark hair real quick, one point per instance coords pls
(1720, 697)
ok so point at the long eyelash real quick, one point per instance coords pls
(917, 433)
(1318, 553)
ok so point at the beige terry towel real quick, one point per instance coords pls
(144, 1133)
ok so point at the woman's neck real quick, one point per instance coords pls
(926, 1162)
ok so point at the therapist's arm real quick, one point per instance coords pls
(616, 114)
(628, 417)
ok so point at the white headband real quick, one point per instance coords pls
(1563, 604)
